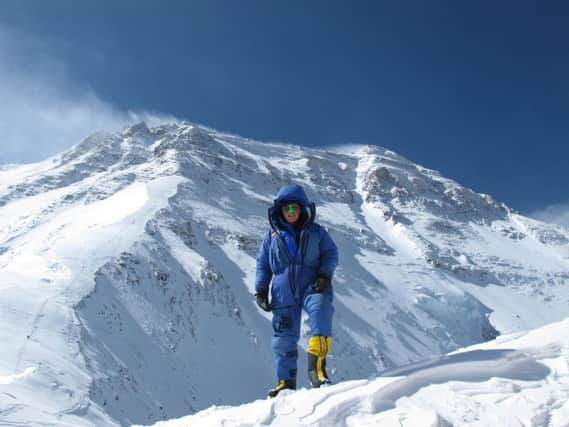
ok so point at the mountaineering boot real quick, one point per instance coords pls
(318, 348)
(283, 384)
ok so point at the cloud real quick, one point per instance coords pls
(556, 214)
(44, 110)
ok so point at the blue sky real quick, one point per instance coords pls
(477, 90)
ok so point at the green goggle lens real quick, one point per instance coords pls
(291, 209)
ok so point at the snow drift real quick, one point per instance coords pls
(517, 380)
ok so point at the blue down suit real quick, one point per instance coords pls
(293, 258)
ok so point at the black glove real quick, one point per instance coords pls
(263, 299)
(322, 284)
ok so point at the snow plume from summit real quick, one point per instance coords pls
(44, 108)
(127, 267)
(556, 214)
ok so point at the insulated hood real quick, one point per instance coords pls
(289, 193)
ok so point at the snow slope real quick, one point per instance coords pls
(517, 380)
(127, 267)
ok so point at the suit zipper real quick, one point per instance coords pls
(304, 237)
(291, 280)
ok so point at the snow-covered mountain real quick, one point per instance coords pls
(127, 270)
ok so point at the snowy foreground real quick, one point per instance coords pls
(520, 379)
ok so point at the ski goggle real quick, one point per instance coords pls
(291, 208)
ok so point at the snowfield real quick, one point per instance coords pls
(517, 380)
(127, 268)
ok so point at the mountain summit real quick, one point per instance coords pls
(127, 270)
